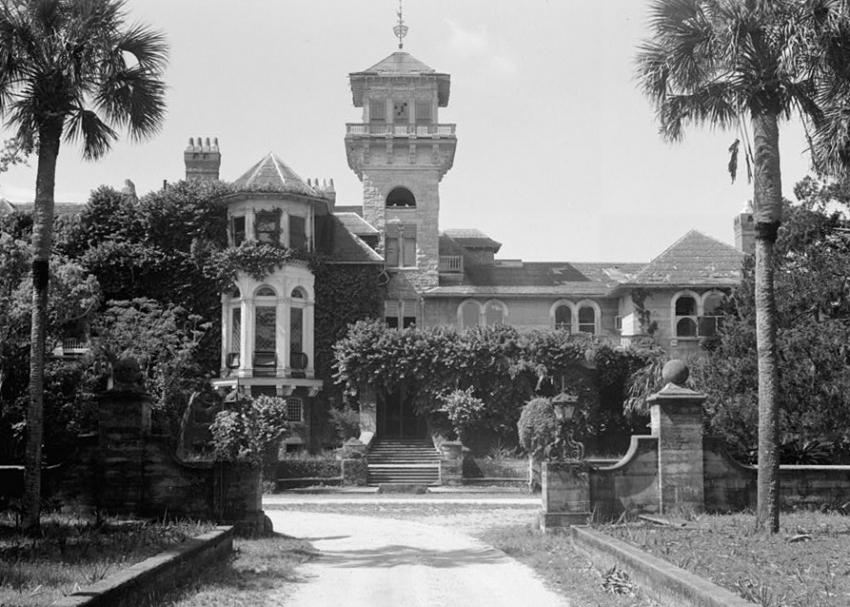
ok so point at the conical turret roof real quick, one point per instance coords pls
(271, 174)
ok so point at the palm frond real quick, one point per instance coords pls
(95, 135)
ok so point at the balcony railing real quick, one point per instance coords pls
(401, 130)
(451, 263)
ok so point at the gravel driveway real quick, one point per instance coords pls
(385, 562)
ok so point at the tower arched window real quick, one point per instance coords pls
(265, 331)
(686, 311)
(401, 197)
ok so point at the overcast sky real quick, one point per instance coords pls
(558, 153)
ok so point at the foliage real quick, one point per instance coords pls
(538, 427)
(463, 410)
(813, 316)
(164, 340)
(257, 259)
(346, 422)
(498, 365)
(250, 430)
(644, 316)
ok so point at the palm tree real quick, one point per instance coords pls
(70, 69)
(722, 62)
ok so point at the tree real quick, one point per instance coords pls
(70, 68)
(722, 62)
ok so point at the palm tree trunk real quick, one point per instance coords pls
(768, 211)
(42, 237)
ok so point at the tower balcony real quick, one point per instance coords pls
(399, 130)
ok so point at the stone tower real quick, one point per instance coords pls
(400, 152)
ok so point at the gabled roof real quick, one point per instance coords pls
(271, 174)
(355, 224)
(399, 64)
(693, 260)
(340, 245)
(471, 238)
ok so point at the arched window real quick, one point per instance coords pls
(298, 293)
(469, 314)
(495, 313)
(265, 291)
(711, 318)
(235, 294)
(564, 318)
(686, 316)
(401, 197)
(587, 320)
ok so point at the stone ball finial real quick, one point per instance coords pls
(675, 372)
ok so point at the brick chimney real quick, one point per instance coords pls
(745, 230)
(202, 159)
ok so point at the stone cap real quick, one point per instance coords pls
(675, 374)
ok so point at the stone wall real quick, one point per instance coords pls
(630, 485)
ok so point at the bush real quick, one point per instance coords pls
(463, 410)
(346, 422)
(250, 430)
(538, 427)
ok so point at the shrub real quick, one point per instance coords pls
(538, 427)
(346, 422)
(463, 410)
(250, 430)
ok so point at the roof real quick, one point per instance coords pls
(518, 279)
(473, 239)
(399, 64)
(693, 260)
(271, 174)
(357, 209)
(356, 224)
(336, 241)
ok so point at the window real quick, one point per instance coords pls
(686, 316)
(423, 112)
(265, 291)
(267, 226)
(711, 319)
(296, 330)
(494, 314)
(294, 409)
(401, 112)
(401, 246)
(236, 331)
(297, 232)
(401, 197)
(469, 314)
(377, 110)
(564, 318)
(237, 227)
(587, 320)
(400, 313)
(264, 328)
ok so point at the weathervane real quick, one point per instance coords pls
(400, 30)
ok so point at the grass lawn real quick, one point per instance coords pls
(256, 576)
(73, 552)
(806, 565)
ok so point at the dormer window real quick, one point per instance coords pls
(237, 228)
(267, 226)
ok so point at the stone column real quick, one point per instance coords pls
(676, 420)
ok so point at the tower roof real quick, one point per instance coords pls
(399, 64)
(271, 174)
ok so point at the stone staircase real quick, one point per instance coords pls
(404, 461)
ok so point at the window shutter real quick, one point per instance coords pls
(391, 251)
(423, 111)
(377, 110)
(408, 307)
(391, 308)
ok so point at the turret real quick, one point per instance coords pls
(745, 229)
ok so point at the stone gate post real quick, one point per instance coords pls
(676, 420)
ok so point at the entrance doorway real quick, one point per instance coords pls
(397, 418)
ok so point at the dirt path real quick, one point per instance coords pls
(383, 562)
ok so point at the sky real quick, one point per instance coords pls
(558, 153)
